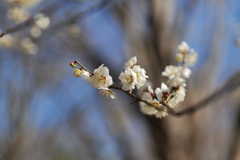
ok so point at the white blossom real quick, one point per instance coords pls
(108, 93)
(191, 58)
(128, 79)
(149, 110)
(159, 111)
(177, 98)
(177, 81)
(140, 76)
(86, 76)
(179, 57)
(145, 87)
(42, 21)
(171, 72)
(78, 72)
(185, 72)
(6, 40)
(28, 45)
(101, 78)
(131, 62)
(183, 47)
(35, 32)
(18, 14)
(162, 92)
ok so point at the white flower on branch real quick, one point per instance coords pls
(78, 72)
(133, 76)
(108, 93)
(86, 76)
(131, 62)
(28, 46)
(179, 57)
(18, 14)
(163, 92)
(42, 21)
(101, 78)
(140, 75)
(6, 41)
(128, 79)
(191, 58)
(177, 97)
(171, 72)
(183, 47)
(157, 109)
(158, 102)
(177, 81)
(185, 72)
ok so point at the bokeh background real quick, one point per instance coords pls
(48, 114)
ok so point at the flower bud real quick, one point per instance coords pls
(179, 57)
(72, 64)
(78, 72)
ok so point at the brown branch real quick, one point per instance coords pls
(57, 27)
(77, 62)
(115, 86)
(46, 11)
(232, 84)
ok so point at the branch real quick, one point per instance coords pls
(232, 84)
(115, 86)
(57, 27)
(46, 11)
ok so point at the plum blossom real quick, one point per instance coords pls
(171, 72)
(78, 72)
(6, 41)
(179, 57)
(29, 46)
(140, 76)
(191, 58)
(128, 79)
(185, 72)
(133, 76)
(86, 76)
(177, 97)
(18, 14)
(131, 62)
(159, 111)
(42, 21)
(163, 92)
(177, 81)
(108, 93)
(101, 78)
(158, 102)
(183, 47)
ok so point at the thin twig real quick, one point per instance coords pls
(83, 66)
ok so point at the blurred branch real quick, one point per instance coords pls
(232, 84)
(46, 11)
(57, 27)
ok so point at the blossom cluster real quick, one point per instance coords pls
(159, 102)
(133, 76)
